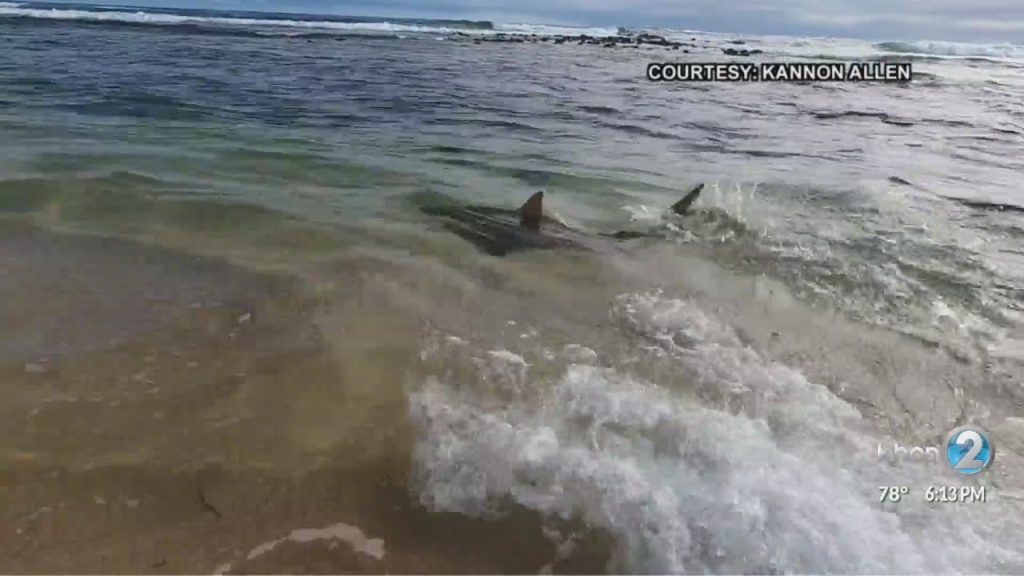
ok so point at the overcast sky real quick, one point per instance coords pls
(982, 20)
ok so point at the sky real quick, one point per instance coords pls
(957, 20)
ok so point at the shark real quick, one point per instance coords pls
(502, 231)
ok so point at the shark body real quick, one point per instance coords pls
(502, 231)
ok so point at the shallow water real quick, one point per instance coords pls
(231, 340)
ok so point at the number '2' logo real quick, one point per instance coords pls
(968, 450)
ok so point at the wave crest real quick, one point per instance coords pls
(252, 19)
(158, 18)
(953, 49)
(548, 30)
(730, 483)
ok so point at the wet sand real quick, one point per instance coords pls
(166, 413)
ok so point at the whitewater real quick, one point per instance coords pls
(837, 47)
(234, 340)
(285, 21)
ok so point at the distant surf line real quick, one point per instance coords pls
(168, 16)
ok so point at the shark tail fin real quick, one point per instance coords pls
(532, 211)
(683, 205)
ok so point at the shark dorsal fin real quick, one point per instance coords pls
(683, 205)
(532, 211)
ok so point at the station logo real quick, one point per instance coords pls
(969, 450)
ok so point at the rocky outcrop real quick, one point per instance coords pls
(741, 52)
(621, 40)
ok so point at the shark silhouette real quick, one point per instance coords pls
(501, 231)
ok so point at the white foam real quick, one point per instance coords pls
(508, 357)
(372, 547)
(161, 18)
(954, 49)
(847, 48)
(143, 17)
(746, 467)
(579, 354)
(728, 374)
(548, 30)
(643, 214)
(682, 488)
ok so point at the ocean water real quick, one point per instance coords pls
(232, 342)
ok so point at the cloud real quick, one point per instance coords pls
(991, 20)
(895, 19)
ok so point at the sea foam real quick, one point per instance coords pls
(382, 27)
(953, 49)
(735, 476)
(734, 463)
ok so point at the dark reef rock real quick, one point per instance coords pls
(624, 40)
(741, 52)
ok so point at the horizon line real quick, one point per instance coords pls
(283, 10)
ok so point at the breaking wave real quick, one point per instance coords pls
(547, 30)
(748, 468)
(953, 49)
(853, 268)
(158, 18)
(263, 20)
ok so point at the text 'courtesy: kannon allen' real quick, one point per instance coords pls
(779, 72)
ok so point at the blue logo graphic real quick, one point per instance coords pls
(968, 450)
